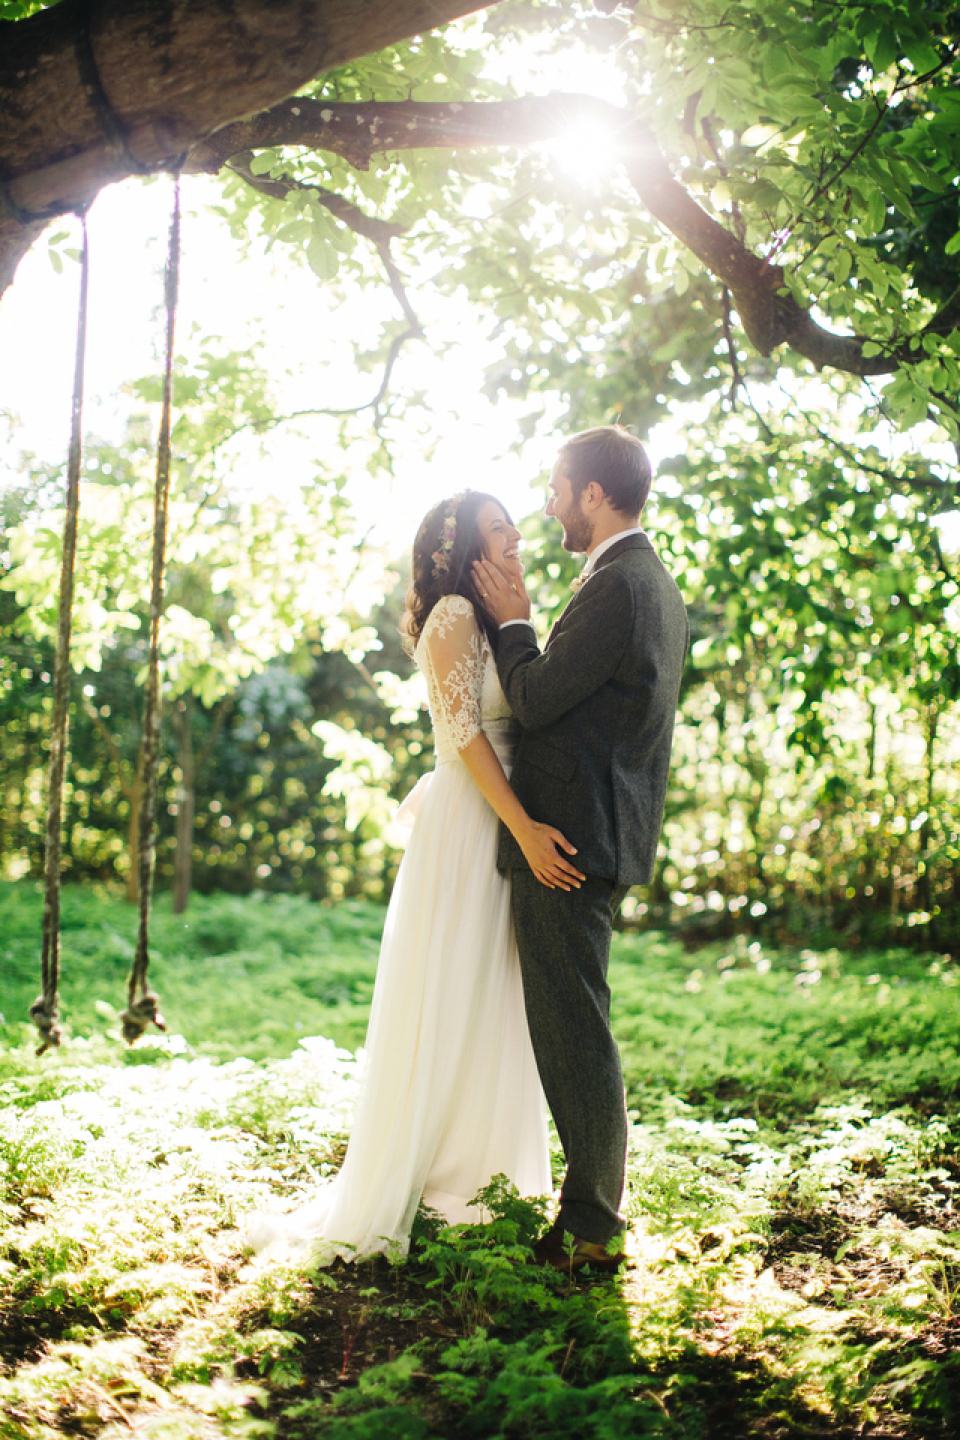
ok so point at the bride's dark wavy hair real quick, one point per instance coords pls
(428, 584)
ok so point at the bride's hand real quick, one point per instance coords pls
(504, 598)
(541, 846)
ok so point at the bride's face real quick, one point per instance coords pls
(500, 540)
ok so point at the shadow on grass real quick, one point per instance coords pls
(468, 1339)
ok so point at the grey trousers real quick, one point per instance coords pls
(564, 941)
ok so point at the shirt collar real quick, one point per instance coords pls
(606, 545)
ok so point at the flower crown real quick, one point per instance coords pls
(448, 534)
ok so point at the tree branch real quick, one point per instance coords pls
(769, 314)
(917, 481)
(381, 232)
(848, 160)
(736, 378)
(175, 75)
(260, 427)
(169, 73)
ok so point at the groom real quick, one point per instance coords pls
(597, 710)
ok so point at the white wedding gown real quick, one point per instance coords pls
(450, 1095)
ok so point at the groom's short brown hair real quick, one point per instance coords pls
(615, 459)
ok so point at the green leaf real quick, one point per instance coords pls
(921, 51)
(882, 47)
(842, 265)
(296, 230)
(923, 174)
(263, 162)
(876, 210)
(765, 195)
(915, 410)
(875, 273)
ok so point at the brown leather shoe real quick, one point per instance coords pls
(554, 1248)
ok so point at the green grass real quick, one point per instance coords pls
(742, 1029)
(246, 976)
(736, 1028)
(792, 1189)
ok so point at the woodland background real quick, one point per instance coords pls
(802, 511)
(734, 225)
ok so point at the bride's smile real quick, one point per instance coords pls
(501, 540)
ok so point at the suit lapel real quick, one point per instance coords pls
(632, 542)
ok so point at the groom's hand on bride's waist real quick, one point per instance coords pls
(504, 601)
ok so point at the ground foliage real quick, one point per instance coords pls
(793, 1169)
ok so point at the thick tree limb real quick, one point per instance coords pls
(769, 314)
(360, 131)
(176, 75)
(170, 72)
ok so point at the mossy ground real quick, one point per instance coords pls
(793, 1173)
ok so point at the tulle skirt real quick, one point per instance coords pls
(450, 1094)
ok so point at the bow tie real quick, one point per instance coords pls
(580, 580)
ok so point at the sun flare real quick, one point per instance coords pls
(586, 150)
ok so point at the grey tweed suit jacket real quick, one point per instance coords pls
(597, 711)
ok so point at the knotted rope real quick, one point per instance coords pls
(142, 1004)
(109, 121)
(45, 1010)
(114, 130)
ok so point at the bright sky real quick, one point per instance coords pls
(237, 300)
(272, 299)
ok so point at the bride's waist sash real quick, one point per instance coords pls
(504, 736)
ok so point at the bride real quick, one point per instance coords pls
(450, 1095)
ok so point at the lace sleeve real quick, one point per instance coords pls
(454, 646)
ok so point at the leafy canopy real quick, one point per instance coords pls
(820, 139)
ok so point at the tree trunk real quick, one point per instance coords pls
(94, 90)
(924, 889)
(186, 805)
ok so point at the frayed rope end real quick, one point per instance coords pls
(139, 1015)
(46, 1017)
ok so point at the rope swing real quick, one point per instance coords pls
(142, 1003)
(45, 1010)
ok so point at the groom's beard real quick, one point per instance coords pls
(577, 534)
